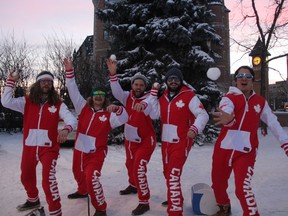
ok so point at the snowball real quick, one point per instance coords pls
(213, 73)
(113, 57)
(14, 74)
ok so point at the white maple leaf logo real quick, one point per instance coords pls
(103, 118)
(180, 104)
(257, 108)
(52, 109)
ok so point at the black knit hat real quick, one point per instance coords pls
(45, 75)
(174, 72)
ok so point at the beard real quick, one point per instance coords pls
(174, 89)
(138, 94)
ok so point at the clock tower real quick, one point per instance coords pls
(259, 56)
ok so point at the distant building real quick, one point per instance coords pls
(221, 25)
(278, 95)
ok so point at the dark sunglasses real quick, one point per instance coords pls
(101, 93)
(175, 78)
(246, 75)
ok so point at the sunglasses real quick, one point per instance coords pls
(246, 75)
(101, 93)
(175, 78)
(43, 81)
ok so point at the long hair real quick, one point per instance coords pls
(36, 92)
(105, 104)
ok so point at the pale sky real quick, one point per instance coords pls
(36, 20)
(265, 11)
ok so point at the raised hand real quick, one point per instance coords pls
(112, 66)
(68, 63)
(13, 75)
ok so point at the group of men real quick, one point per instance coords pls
(182, 116)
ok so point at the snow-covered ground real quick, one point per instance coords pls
(270, 181)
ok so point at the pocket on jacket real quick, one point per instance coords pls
(237, 140)
(38, 137)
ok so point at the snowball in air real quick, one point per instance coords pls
(14, 74)
(113, 57)
(213, 73)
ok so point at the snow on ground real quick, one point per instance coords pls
(270, 181)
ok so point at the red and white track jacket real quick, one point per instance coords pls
(40, 121)
(184, 112)
(93, 127)
(139, 124)
(241, 133)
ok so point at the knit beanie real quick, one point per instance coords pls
(45, 75)
(174, 72)
(139, 76)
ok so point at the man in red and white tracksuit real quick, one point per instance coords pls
(96, 119)
(140, 137)
(42, 110)
(236, 147)
(182, 118)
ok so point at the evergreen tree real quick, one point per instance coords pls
(152, 36)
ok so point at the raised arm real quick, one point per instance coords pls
(116, 88)
(7, 100)
(75, 96)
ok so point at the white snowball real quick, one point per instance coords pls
(113, 57)
(156, 85)
(14, 74)
(213, 73)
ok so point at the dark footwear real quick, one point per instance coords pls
(141, 209)
(165, 203)
(128, 190)
(28, 205)
(100, 213)
(225, 210)
(77, 195)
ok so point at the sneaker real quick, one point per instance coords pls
(77, 195)
(100, 213)
(128, 190)
(165, 203)
(225, 210)
(28, 205)
(141, 209)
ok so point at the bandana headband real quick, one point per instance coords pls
(44, 76)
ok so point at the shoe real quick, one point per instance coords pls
(141, 209)
(100, 213)
(165, 203)
(128, 190)
(225, 210)
(28, 205)
(77, 195)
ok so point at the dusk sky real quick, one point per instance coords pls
(36, 20)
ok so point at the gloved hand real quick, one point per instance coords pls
(285, 148)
